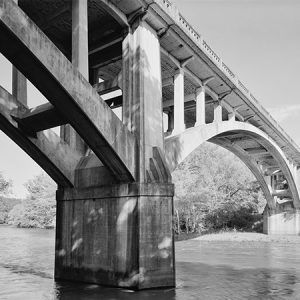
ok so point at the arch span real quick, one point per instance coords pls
(254, 147)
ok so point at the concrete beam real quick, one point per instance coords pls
(108, 86)
(256, 151)
(108, 54)
(47, 68)
(47, 149)
(40, 118)
(115, 12)
(282, 193)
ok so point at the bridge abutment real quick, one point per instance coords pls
(119, 235)
(285, 219)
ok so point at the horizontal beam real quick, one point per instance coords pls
(110, 53)
(40, 118)
(47, 68)
(47, 149)
(115, 12)
(109, 86)
(282, 193)
(256, 151)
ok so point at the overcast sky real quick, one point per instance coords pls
(258, 39)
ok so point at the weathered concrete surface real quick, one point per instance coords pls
(285, 219)
(19, 85)
(46, 67)
(142, 92)
(80, 60)
(117, 235)
(40, 118)
(46, 148)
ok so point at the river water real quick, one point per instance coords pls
(205, 270)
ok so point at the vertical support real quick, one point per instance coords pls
(80, 51)
(170, 120)
(19, 83)
(19, 86)
(217, 112)
(142, 92)
(80, 60)
(231, 116)
(179, 125)
(200, 106)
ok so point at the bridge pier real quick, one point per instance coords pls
(285, 219)
(119, 235)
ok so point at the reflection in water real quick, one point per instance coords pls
(205, 270)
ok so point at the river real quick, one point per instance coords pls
(205, 270)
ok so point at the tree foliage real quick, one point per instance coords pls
(5, 185)
(37, 210)
(214, 190)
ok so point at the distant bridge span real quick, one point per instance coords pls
(115, 191)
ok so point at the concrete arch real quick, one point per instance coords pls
(178, 147)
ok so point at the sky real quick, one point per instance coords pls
(259, 40)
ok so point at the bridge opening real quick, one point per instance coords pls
(215, 190)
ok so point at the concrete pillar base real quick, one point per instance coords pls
(284, 220)
(119, 235)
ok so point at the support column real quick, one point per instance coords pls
(142, 92)
(80, 56)
(200, 106)
(217, 112)
(19, 83)
(170, 120)
(179, 125)
(231, 116)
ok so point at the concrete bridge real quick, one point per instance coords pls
(115, 192)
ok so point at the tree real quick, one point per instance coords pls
(38, 210)
(5, 185)
(6, 204)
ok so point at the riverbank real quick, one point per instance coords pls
(247, 237)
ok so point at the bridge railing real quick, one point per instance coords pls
(185, 26)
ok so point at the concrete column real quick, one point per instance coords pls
(142, 92)
(231, 116)
(19, 83)
(19, 86)
(179, 125)
(80, 51)
(80, 60)
(217, 112)
(200, 106)
(170, 120)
